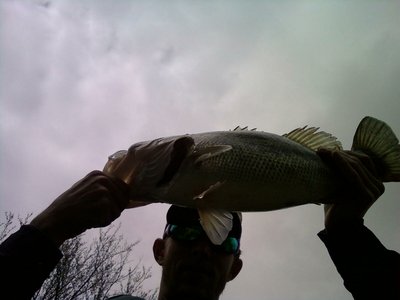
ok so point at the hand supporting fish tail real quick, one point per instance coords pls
(364, 187)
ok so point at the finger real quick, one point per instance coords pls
(373, 185)
(90, 177)
(358, 175)
(364, 159)
(118, 190)
(99, 210)
(102, 195)
(325, 154)
(109, 210)
(362, 166)
(137, 203)
(327, 208)
(342, 163)
(347, 164)
(329, 154)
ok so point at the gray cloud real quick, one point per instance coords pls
(82, 79)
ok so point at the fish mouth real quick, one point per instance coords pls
(181, 148)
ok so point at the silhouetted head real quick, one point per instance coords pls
(193, 267)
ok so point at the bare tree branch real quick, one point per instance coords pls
(91, 270)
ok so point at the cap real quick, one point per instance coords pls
(185, 216)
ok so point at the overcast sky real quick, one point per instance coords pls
(80, 80)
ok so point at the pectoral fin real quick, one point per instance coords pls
(205, 153)
(208, 191)
(216, 223)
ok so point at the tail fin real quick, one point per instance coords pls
(378, 140)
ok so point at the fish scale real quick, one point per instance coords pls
(247, 162)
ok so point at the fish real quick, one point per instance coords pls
(245, 170)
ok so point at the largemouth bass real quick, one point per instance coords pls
(245, 170)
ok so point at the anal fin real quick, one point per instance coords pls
(216, 223)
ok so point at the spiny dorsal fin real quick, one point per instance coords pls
(238, 128)
(314, 139)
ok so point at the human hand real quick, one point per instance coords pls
(94, 201)
(363, 187)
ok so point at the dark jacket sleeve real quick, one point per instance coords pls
(368, 269)
(27, 257)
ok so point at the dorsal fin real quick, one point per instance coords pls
(313, 139)
(238, 128)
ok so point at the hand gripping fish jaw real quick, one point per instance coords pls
(149, 165)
